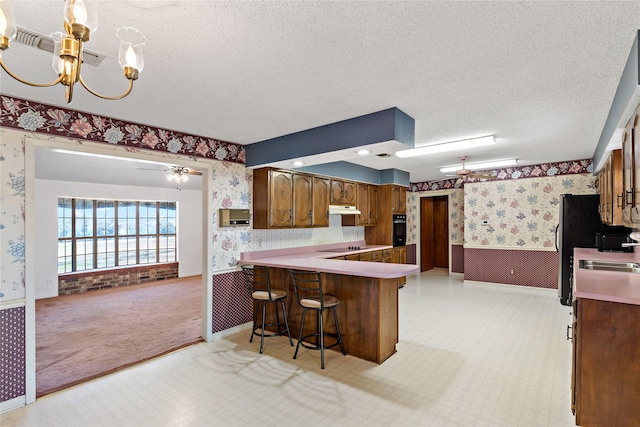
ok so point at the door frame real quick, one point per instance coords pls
(30, 146)
(419, 226)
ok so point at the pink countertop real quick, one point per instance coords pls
(312, 258)
(606, 285)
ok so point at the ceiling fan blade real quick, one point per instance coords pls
(194, 172)
(148, 169)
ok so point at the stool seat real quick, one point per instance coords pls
(275, 294)
(329, 301)
(259, 285)
(308, 288)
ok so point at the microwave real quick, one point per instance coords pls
(232, 217)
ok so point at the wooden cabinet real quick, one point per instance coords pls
(367, 204)
(343, 192)
(284, 199)
(630, 171)
(386, 255)
(611, 191)
(606, 363)
(398, 199)
(399, 256)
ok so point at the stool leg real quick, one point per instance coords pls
(255, 320)
(335, 319)
(286, 322)
(319, 314)
(304, 312)
(264, 319)
(277, 318)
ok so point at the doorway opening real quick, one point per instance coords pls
(434, 232)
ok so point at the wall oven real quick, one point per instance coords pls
(399, 230)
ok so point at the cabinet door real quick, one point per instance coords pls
(321, 192)
(350, 193)
(627, 173)
(362, 203)
(302, 200)
(398, 199)
(373, 205)
(337, 192)
(635, 167)
(281, 199)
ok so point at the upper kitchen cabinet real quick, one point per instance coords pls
(284, 199)
(398, 199)
(367, 204)
(630, 172)
(343, 192)
(611, 192)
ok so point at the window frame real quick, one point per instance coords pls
(75, 239)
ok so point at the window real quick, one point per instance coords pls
(106, 233)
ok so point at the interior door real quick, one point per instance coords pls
(441, 232)
(426, 234)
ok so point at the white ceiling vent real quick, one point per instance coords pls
(46, 43)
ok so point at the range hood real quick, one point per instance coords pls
(343, 210)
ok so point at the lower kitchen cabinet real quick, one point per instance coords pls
(606, 363)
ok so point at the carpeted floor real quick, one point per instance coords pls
(79, 337)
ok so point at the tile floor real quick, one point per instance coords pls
(469, 355)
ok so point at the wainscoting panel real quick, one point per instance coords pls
(232, 305)
(12, 353)
(512, 267)
(457, 259)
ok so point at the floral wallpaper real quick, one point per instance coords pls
(521, 214)
(33, 116)
(456, 214)
(534, 171)
(12, 221)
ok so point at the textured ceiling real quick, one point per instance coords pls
(539, 75)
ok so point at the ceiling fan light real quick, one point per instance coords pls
(81, 12)
(481, 166)
(130, 51)
(447, 146)
(7, 23)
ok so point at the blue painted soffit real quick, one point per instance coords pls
(360, 173)
(624, 102)
(335, 141)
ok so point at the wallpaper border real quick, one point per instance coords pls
(570, 167)
(32, 116)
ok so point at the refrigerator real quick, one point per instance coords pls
(578, 224)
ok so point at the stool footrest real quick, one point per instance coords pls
(271, 334)
(317, 346)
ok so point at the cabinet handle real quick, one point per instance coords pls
(619, 203)
(310, 213)
(569, 338)
(327, 214)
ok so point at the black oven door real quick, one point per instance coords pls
(399, 233)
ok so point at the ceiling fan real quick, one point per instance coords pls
(464, 174)
(177, 174)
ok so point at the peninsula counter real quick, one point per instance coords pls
(368, 294)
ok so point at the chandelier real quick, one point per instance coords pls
(80, 19)
(178, 175)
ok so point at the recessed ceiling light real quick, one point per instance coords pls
(363, 152)
(447, 146)
(481, 166)
(298, 163)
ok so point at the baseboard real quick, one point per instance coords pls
(457, 275)
(11, 404)
(182, 274)
(507, 285)
(43, 296)
(231, 331)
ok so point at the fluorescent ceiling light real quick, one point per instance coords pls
(447, 146)
(481, 166)
(298, 163)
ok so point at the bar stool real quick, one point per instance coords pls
(308, 288)
(259, 286)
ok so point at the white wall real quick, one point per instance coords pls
(46, 224)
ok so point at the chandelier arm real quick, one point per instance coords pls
(103, 96)
(53, 83)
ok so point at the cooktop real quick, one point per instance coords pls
(347, 249)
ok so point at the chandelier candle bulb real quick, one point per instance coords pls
(7, 24)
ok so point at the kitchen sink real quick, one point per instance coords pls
(624, 267)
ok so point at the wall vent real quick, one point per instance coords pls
(41, 42)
